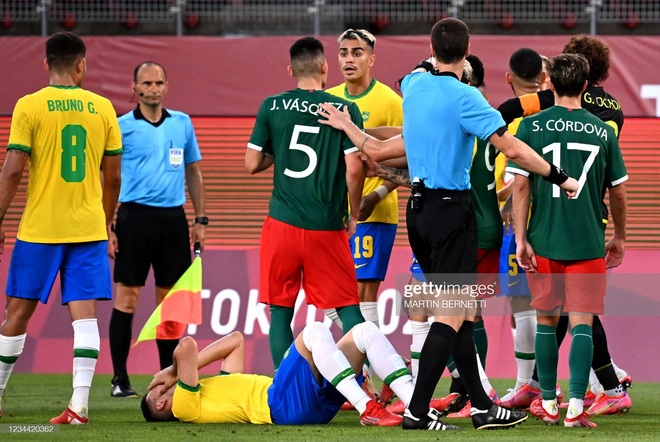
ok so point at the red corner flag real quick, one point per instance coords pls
(182, 306)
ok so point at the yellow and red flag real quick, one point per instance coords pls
(181, 306)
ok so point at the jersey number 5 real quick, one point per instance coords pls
(74, 143)
(295, 145)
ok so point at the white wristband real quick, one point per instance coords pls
(382, 191)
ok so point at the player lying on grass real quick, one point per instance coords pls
(315, 378)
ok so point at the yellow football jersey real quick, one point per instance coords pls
(66, 130)
(231, 399)
(380, 106)
(501, 160)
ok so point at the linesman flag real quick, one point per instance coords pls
(181, 306)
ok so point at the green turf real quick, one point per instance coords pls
(34, 399)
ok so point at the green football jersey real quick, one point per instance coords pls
(309, 178)
(484, 196)
(587, 148)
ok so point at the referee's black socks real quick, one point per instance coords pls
(120, 341)
(432, 361)
(465, 358)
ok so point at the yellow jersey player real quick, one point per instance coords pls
(70, 136)
(315, 377)
(379, 105)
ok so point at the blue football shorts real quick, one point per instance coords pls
(84, 271)
(296, 398)
(371, 246)
(513, 280)
(416, 270)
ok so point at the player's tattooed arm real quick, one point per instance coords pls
(396, 176)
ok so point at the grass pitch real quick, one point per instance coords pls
(32, 399)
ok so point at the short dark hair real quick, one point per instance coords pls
(597, 54)
(526, 63)
(478, 71)
(147, 63)
(307, 56)
(568, 73)
(146, 410)
(63, 50)
(450, 39)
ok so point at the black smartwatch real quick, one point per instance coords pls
(203, 220)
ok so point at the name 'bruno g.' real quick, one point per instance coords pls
(70, 105)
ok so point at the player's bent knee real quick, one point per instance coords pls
(315, 332)
(187, 344)
(362, 334)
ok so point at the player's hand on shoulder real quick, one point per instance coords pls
(570, 187)
(334, 117)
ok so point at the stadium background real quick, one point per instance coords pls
(221, 81)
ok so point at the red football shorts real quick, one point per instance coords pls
(488, 264)
(579, 285)
(319, 260)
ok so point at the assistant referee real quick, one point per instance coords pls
(161, 157)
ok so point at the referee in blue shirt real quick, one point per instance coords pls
(441, 118)
(161, 157)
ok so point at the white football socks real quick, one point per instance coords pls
(333, 365)
(419, 332)
(86, 345)
(369, 311)
(575, 408)
(524, 346)
(385, 361)
(332, 314)
(11, 348)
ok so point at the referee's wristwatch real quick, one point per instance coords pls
(203, 220)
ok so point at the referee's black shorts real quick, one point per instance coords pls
(443, 234)
(149, 236)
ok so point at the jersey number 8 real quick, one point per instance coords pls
(74, 143)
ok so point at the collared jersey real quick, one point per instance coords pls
(379, 106)
(231, 399)
(66, 130)
(441, 118)
(587, 148)
(309, 178)
(153, 167)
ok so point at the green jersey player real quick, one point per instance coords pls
(567, 234)
(303, 240)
